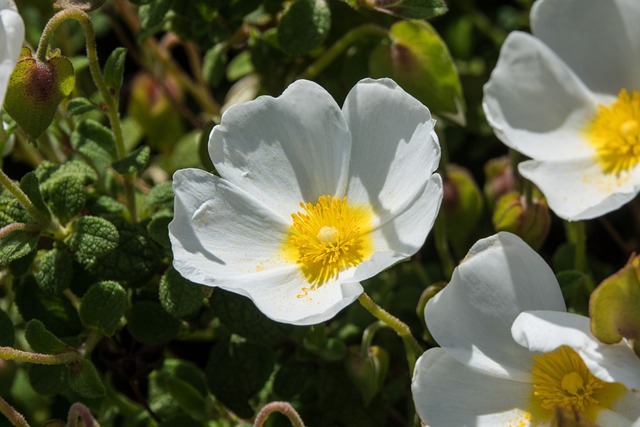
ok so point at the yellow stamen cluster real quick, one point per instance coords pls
(615, 133)
(327, 237)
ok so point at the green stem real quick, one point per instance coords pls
(340, 46)
(411, 345)
(79, 415)
(22, 198)
(284, 408)
(14, 417)
(10, 353)
(442, 246)
(94, 68)
(577, 236)
(368, 334)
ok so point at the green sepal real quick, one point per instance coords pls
(78, 106)
(36, 89)
(42, 340)
(134, 162)
(66, 196)
(304, 26)
(179, 296)
(103, 306)
(7, 331)
(95, 142)
(420, 62)
(16, 245)
(150, 324)
(92, 237)
(54, 271)
(85, 380)
(114, 68)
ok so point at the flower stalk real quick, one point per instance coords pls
(284, 408)
(14, 417)
(10, 353)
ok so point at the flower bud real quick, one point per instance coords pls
(613, 306)
(367, 371)
(530, 222)
(500, 179)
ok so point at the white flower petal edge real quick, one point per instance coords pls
(448, 393)
(11, 38)
(269, 147)
(471, 317)
(580, 30)
(578, 189)
(533, 101)
(547, 330)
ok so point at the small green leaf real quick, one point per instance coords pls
(31, 187)
(179, 296)
(7, 332)
(103, 306)
(36, 89)
(85, 380)
(66, 196)
(150, 324)
(94, 141)
(78, 106)
(158, 228)
(15, 245)
(213, 64)
(42, 340)
(239, 66)
(54, 272)
(114, 68)
(92, 236)
(134, 162)
(47, 171)
(160, 196)
(304, 26)
(47, 380)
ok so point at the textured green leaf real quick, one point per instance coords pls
(78, 106)
(66, 196)
(85, 380)
(48, 171)
(92, 236)
(103, 306)
(160, 196)
(304, 26)
(55, 270)
(31, 187)
(48, 380)
(114, 68)
(179, 296)
(15, 245)
(236, 371)
(55, 312)
(7, 332)
(42, 340)
(150, 324)
(105, 205)
(242, 317)
(134, 162)
(158, 228)
(94, 141)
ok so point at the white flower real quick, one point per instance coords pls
(11, 38)
(494, 372)
(568, 96)
(312, 199)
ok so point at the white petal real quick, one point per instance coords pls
(599, 40)
(284, 150)
(394, 149)
(11, 38)
(218, 231)
(535, 104)
(471, 317)
(447, 393)
(545, 331)
(610, 418)
(578, 189)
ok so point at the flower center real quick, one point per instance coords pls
(615, 133)
(328, 237)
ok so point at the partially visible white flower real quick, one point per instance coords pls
(11, 38)
(312, 198)
(493, 372)
(568, 96)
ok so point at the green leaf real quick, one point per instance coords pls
(411, 9)
(179, 296)
(236, 371)
(47, 380)
(105, 206)
(158, 228)
(213, 64)
(36, 89)
(56, 312)
(293, 378)
(42, 340)
(66, 196)
(7, 332)
(54, 271)
(160, 196)
(47, 171)
(420, 62)
(242, 317)
(79, 105)
(150, 324)
(114, 68)
(92, 236)
(85, 380)
(134, 162)
(31, 187)
(239, 66)
(95, 142)
(304, 26)
(16, 245)
(103, 306)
